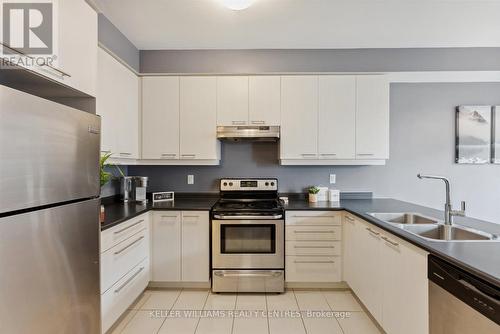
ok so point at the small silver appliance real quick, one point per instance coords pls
(134, 188)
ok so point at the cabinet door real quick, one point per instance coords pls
(299, 117)
(369, 269)
(232, 100)
(264, 100)
(405, 307)
(350, 252)
(372, 117)
(105, 102)
(118, 104)
(195, 246)
(166, 246)
(198, 118)
(337, 117)
(78, 45)
(160, 117)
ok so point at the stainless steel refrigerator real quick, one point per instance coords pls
(49, 217)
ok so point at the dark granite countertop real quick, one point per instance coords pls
(117, 212)
(481, 258)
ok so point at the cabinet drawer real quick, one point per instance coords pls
(313, 233)
(120, 259)
(313, 269)
(329, 248)
(313, 218)
(120, 232)
(117, 299)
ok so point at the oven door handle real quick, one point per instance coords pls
(232, 217)
(248, 274)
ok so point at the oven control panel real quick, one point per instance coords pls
(249, 184)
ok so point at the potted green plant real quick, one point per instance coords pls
(313, 192)
(104, 175)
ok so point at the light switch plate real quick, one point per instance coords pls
(333, 178)
(190, 179)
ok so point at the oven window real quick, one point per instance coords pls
(245, 239)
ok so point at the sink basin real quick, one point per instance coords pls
(448, 233)
(405, 218)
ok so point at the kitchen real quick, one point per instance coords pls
(266, 166)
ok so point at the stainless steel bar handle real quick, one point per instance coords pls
(125, 153)
(314, 246)
(238, 122)
(247, 274)
(365, 154)
(129, 280)
(224, 217)
(188, 155)
(128, 246)
(308, 155)
(164, 216)
(126, 228)
(349, 219)
(372, 231)
(168, 155)
(258, 122)
(314, 231)
(328, 154)
(312, 217)
(318, 261)
(390, 241)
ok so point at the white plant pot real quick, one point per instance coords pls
(313, 198)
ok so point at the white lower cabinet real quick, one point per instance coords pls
(389, 275)
(180, 246)
(313, 249)
(125, 269)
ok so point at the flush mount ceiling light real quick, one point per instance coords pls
(237, 4)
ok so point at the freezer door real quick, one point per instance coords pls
(49, 153)
(49, 270)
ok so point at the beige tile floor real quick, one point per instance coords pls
(187, 311)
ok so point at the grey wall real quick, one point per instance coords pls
(328, 60)
(114, 40)
(422, 140)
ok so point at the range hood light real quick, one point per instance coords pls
(237, 4)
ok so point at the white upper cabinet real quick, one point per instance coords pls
(118, 105)
(299, 117)
(232, 100)
(160, 118)
(337, 117)
(198, 118)
(264, 100)
(372, 117)
(78, 45)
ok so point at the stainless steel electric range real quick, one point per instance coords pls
(248, 237)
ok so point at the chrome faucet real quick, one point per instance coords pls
(449, 213)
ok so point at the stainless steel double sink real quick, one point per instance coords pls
(433, 229)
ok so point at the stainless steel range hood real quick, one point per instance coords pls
(249, 133)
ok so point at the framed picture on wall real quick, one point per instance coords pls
(496, 135)
(473, 134)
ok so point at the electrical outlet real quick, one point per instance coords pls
(333, 178)
(190, 179)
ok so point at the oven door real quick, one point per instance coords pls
(248, 244)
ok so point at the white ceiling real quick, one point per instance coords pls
(277, 24)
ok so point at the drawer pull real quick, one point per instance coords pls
(314, 231)
(192, 216)
(125, 153)
(166, 155)
(390, 241)
(308, 155)
(259, 122)
(164, 216)
(188, 156)
(372, 231)
(129, 280)
(126, 228)
(328, 154)
(238, 122)
(316, 261)
(297, 216)
(313, 246)
(350, 219)
(128, 246)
